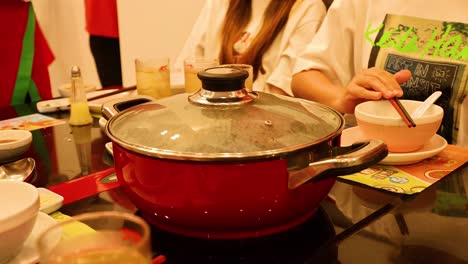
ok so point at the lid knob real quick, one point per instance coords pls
(223, 78)
(223, 85)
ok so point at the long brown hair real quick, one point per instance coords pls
(237, 18)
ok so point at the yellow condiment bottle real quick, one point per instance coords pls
(79, 109)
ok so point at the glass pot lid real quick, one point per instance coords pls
(223, 121)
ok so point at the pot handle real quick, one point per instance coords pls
(112, 107)
(357, 157)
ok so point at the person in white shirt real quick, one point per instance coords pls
(267, 34)
(373, 49)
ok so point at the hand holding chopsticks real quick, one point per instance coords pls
(402, 112)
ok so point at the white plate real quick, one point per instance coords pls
(435, 145)
(65, 90)
(29, 254)
(49, 201)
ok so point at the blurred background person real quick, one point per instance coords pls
(267, 34)
(24, 75)
(103, 29)
(374, 49)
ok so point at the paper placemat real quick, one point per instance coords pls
(413, 178)
(30, 122)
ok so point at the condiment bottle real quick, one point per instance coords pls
(79, 109)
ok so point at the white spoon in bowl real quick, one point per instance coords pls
(422, 108)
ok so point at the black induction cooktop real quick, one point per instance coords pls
(310, 242)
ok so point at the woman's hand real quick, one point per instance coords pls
(372, 84)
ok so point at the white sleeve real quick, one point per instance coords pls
(195, 44)
(306, 27)
(331, 50)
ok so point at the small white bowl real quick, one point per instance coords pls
(65, 89)
(20, 206)
(13, 143)
(379, 120)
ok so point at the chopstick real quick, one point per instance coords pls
(363, 223)
(402, 112)
(112, 93)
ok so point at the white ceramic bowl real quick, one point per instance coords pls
(65, 89)
(379, 120)
(13, 143)
(19, 209)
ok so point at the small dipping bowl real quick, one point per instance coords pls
(379, 120)
(13, 143)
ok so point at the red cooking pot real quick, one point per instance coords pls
(228, 163)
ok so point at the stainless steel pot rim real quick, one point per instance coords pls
(310, 115)
(191, 156)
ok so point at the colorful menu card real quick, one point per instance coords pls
(412, 178)
(30, 122)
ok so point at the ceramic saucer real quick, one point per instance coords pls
(435, 145)
(29, 253)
